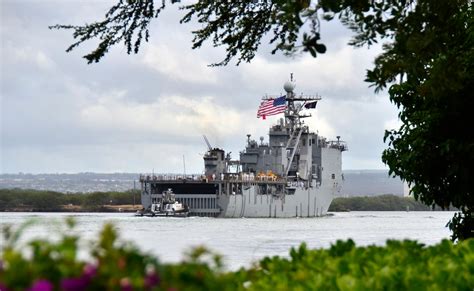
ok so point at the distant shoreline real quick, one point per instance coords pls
(379, 203)
(356, 182)
(78, 209)
(21, 200)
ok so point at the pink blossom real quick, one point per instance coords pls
(125, 284)
(42, 285)
(151, 280)
(89, 271)
(75, 284)
(3, 287)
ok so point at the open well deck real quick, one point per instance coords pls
(201, 194)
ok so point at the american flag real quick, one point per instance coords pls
(271, 107)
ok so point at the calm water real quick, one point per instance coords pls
(244, 240)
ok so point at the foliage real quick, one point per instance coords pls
(377, 203)
(114, 265)
(400, 265)
(239, 26)
(432, 57)
(37, 200)
(16, 198)
(127, 21)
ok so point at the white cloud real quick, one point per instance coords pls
(341, 69)
(167, 115)
(176, 64)
(29, 55)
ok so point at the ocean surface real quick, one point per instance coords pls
(244, 240)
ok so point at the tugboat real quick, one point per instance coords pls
(166, 205)
(296, 173)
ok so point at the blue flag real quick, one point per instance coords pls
(279, 101)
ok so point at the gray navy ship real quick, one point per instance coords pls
(296, 174)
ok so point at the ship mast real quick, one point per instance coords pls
(292, 113)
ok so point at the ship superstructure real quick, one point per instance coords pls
(295, 174)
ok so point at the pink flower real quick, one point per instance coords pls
(42, 285)
(151, 280)
(125, 284)
(75, 284)
(80, 283)
(3, 287)
(89, 271)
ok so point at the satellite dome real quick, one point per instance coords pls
(289, 86)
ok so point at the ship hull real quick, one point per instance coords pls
(312, 201)
(305, 202)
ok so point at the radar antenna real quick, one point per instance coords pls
(207, 142)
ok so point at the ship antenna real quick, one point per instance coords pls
(184, 167)
(291, 77)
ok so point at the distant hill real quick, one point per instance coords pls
(356, 182)
(80, 182)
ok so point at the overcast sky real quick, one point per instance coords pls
(138, 113)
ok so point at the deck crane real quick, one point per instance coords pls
(207, 142)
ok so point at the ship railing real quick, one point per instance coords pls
(300, 97)
(249, 177)
(238, 177)
(299, 183)
(169, 177)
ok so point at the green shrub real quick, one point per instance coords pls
(114, 265)
(38, 200)
(400, 265)
(385, 202)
